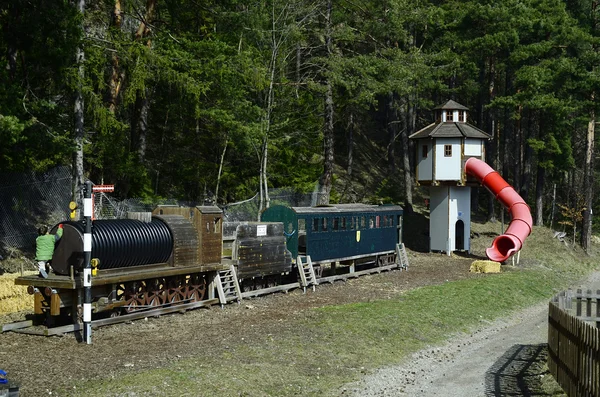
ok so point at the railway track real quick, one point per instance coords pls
(226, 292)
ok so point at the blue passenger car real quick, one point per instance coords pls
(340, 232)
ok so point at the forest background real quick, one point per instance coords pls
(218, 100)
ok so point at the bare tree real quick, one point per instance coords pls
(326, 180)
(78, 174)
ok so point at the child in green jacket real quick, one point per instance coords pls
(44, 247)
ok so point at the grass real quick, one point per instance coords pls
(345, 342)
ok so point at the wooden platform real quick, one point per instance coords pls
(120, 275)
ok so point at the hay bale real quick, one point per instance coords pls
(16, 304)
(485, 267)
(14, 298)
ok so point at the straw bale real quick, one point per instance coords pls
(14, 298)
(16, 304)
(485, 267)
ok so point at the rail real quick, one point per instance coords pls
(574, 341)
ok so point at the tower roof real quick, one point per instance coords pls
(450, 130)
(451, 105)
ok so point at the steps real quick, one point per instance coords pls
(307, 273)
(228, 287)
(402, 256)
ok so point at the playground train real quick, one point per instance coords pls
(175, 255)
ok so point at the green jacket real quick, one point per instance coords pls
(44, 245)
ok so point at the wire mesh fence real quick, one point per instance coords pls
(248, 210)
(29, 200)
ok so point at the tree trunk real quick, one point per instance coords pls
(406, 153)
(326, 180)
(116, 77)
(350, 140)
(142, 126)
(144, 100)
(79, 107)
(539, 196)
(552, 208)
(494, 144)
(588, 172)
(221, 169)
(264, 173)
(588, 184)
(526, 165)
(518, 164)
(144, 26)
(392, 127)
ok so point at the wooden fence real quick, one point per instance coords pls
(574, 342)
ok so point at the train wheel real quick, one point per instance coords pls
(175, 291)
(132, 294)
(318, 269)
(155, 293)
(259, 283)
(197, 288)
(247, 285)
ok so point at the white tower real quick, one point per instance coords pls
(442, 150)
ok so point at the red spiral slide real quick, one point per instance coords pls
(520, 227)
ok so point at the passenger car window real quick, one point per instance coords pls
(301, 225)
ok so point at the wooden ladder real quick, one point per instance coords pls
(307, 273)
(402, 256)
(228, 287)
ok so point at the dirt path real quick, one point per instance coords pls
(500, 358)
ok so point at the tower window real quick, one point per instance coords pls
(461, 116)
(447, 150)
(424, 151)
(449, 115)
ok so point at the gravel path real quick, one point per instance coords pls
(500, 358)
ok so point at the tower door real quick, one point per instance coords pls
(459, 235)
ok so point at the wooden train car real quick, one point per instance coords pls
(260, 255)
(340, 232)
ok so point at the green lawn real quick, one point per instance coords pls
(345, 342)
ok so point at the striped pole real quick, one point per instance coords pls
(87, 270)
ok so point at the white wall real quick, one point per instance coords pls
(424, 164)
(448, 204)
(438, 218)
(459, 208)
(448, 168)
(473, 147)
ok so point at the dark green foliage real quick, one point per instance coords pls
(184, 108)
